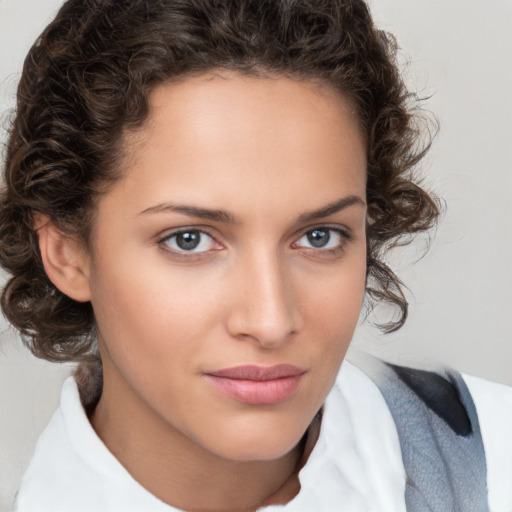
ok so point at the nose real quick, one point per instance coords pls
(264, 308)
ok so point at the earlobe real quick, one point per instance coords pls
(65, 262)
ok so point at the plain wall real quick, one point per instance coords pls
(460, 53)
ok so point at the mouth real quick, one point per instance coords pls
(257, 385)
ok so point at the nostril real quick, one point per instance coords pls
(267, 332)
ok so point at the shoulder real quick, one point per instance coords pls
(493, 403)
(54, 470)
(469, 404)
(73, 471)
(450, 425)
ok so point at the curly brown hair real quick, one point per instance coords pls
(87, 80)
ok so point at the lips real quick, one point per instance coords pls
(257, 385)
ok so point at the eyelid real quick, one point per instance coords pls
(342, 230)
(345, 234)
(168, 234)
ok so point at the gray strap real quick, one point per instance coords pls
(445, 463)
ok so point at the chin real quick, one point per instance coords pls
(262, 445)
(261, 453)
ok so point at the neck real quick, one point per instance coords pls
(173, 468)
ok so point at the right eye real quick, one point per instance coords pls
(188, 241)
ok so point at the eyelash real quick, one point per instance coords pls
(179, 252)
(345, 236)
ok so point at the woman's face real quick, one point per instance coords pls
(228, 264)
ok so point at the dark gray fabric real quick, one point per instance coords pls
(445, 463)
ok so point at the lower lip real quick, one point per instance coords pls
(257, 392)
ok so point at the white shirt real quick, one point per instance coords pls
(356, 461)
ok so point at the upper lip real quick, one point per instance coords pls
(254, 372)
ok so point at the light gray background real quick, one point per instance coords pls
(459, 51)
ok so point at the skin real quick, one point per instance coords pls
(266, 151)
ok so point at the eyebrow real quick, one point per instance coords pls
(191, 211)
(224, 216)
(332, 208)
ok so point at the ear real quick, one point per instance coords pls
(65, 261)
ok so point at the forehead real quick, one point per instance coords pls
(214, 136)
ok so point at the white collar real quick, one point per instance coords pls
(355, 465)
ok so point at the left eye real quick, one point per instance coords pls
(189, 241)
(322, 238)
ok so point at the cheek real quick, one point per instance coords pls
(146, 315)
(151, 313)
(335, 308)
(335, 297)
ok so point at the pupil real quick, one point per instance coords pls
(318, 237)
(188, 240)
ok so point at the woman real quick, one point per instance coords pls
(198, 197)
